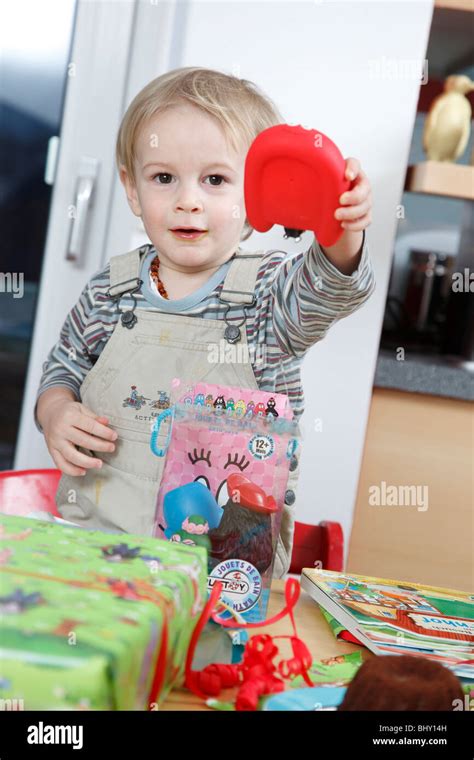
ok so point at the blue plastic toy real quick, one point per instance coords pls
(188, 501)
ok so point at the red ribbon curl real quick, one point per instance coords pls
(257, 675)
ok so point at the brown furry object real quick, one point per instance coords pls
(402, 682)
(242, 534)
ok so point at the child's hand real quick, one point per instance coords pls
(355, 211)
(67, 424)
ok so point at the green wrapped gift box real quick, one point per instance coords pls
(93, 620)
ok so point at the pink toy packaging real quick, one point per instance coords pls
(227, 457)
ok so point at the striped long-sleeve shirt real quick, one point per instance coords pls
(297, 299)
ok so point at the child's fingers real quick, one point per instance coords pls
(359, 193)
(94, 427)
(92, 442)
(357, 225)
(93, 416)
(89, 413)
(352, 168)
(353, 212)
(73, 456)
(64, 466)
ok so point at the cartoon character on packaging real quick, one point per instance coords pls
(271, 410)
(260, 410)
(209, 401)
(119, 552)
(250, 409)
(19, 601)
(240, 409)
(194, 530)
(230, 407)
(219, 404)
(199, 400)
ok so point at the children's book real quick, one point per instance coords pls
(332, 671)
(338, 630)
(399, 617)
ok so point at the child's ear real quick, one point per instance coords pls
(131, 191)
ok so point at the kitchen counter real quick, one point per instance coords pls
(420, 443)
(419, 373)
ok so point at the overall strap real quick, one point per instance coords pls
(239, 284)
(125, 272)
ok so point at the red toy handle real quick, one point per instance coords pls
(295, 177)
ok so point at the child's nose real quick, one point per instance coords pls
(188, 207)
(188, 199)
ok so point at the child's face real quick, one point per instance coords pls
(180, 180)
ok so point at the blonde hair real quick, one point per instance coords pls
(242, 110)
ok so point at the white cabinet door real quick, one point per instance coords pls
(118, 46)
(83, 182)
(157, 48)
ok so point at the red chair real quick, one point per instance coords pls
(319, 546)
(24, 491)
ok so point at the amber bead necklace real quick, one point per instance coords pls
(154, 271)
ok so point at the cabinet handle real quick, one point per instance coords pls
(83, 201)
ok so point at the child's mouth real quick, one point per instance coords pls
(188, 234)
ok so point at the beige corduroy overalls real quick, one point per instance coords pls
(121, 495)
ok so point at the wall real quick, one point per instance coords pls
(314, 60)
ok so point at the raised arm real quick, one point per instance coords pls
(313, 290)
(310, 294)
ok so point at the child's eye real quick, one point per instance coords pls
(163, 174)
(168, 177)
(218, 177)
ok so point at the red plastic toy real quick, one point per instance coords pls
(295, 177)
